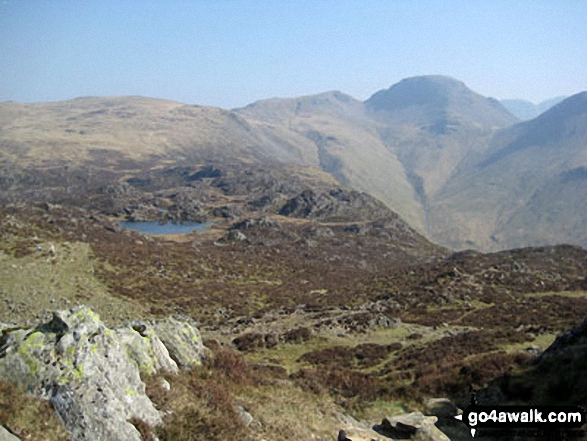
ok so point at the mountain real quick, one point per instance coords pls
(400, 145)
(525, 110)
(439, 99)
(131, 128)
(431, 123)
(527, 189)
(326, 131)
(346, 143)
(454, 164)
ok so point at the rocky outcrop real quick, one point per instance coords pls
(5, 435)
(92, 374)
(335, 204)
(441, 408)
(414, 426)
(572, 342)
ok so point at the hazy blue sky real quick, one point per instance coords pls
(229, 53)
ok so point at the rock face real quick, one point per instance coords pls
(5, 435)
(91, 373)
(334, 204)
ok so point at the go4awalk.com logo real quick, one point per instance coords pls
(542, 418)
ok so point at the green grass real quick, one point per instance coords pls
(288, 355)
(41, 281)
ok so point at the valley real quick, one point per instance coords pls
(456, 166)
(359, 258)
(328, 302)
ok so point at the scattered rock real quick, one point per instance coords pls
(534, 350)
(235, 235)
(334, 204)
(256, 224)
(245, 416)
(226, 212)
(165, 385)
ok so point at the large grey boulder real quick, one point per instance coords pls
(92, 374)
(441, 408)
(182, 339)
(413, 426)
(5, 435)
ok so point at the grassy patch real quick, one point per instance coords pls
(41, 281)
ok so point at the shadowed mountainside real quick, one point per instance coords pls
(431, 123)
(525, 110)
(528, 188)
(347, 144)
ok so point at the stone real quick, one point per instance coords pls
(245, 416)
(413, 425)
(5, 435)
(356, 430)
(236, 235)
(92, 374)
(441, 408)
(534, 350)
(165, 385)
(342, 436)
(183, 341)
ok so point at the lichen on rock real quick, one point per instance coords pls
(92, 374)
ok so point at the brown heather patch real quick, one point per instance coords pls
(263, 279)
(29, 417)
(201, 403)
(361, 356)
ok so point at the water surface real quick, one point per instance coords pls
(168, 228)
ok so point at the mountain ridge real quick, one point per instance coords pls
(411, 146)
(525, 110)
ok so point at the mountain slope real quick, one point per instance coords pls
(449, 161)
(347, 143)
(431, 123)
(133, 128)
(328, 131)
(528, 188)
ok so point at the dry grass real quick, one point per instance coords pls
(202, 404)
(28, 417)
(39, 282)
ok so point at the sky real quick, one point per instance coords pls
(229, 53)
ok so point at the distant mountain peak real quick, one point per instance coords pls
(429, 90)
(433, 98)
(526, 110)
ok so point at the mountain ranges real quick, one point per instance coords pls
(456, 166)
